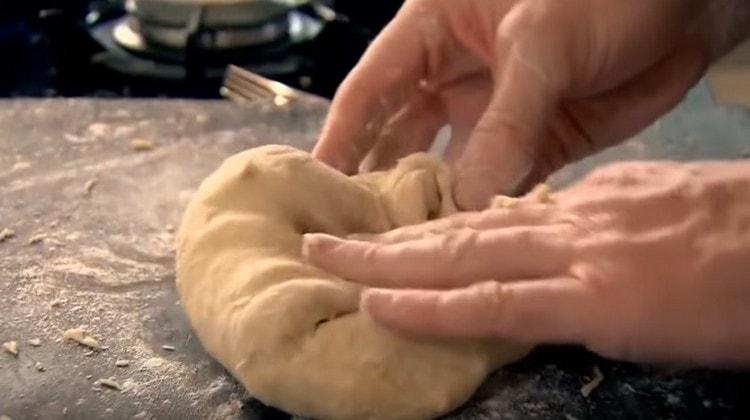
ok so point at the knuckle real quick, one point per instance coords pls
(529, 17)
(614, 175)
(580, 226)
(494, 292)
(483, 219)
(458, 245)
(370, 254)
(608, 172)
(500, 307)
(625, 171)
(526, 238)
(613, 327)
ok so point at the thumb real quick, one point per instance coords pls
(503, 147)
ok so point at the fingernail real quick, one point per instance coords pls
(376, 301)
(315, 243)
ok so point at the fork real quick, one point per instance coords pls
(244, 86)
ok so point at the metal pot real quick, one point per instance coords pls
(217, 13)
(219, 24)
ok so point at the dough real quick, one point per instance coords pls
(291, 333)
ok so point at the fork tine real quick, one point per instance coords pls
(245, 75)
(232, 96)
(235, 87)
(249, 92)
(244, 86)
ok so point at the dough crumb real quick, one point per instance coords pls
(594, 383)
(542, 194)
(504, 202)
(128, 385)
(231, 409)
(111, 384)
(36, 239)
(6, 234)
(57, 303)
(280, 100)
(35, 342)
(88, 187)
(141, 145)
(167, 347)
(91, 342)
(20, 165)
(39, 367)
(11, 347)
(153, 363)
(122, 363)
(79, 335)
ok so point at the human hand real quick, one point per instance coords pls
(639, 261)
(526, 85)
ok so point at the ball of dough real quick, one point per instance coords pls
(292, 333)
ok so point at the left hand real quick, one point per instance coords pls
(525, 85)
(639, 261)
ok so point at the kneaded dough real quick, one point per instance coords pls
(292, 333)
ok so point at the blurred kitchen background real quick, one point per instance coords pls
(180, 48)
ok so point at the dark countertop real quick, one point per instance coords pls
(104, 262)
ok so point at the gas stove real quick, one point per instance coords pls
(181, 48)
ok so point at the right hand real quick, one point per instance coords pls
(526, 85)
(642, 261)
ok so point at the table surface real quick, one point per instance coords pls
(102, 260)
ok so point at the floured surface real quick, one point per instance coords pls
(94, 224)
(104, 268)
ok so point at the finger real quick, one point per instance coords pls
(456, 258)
(384, 79)
(529, 215)
(501, 150)
(410, 131)
(556, 310)
(465, 100)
